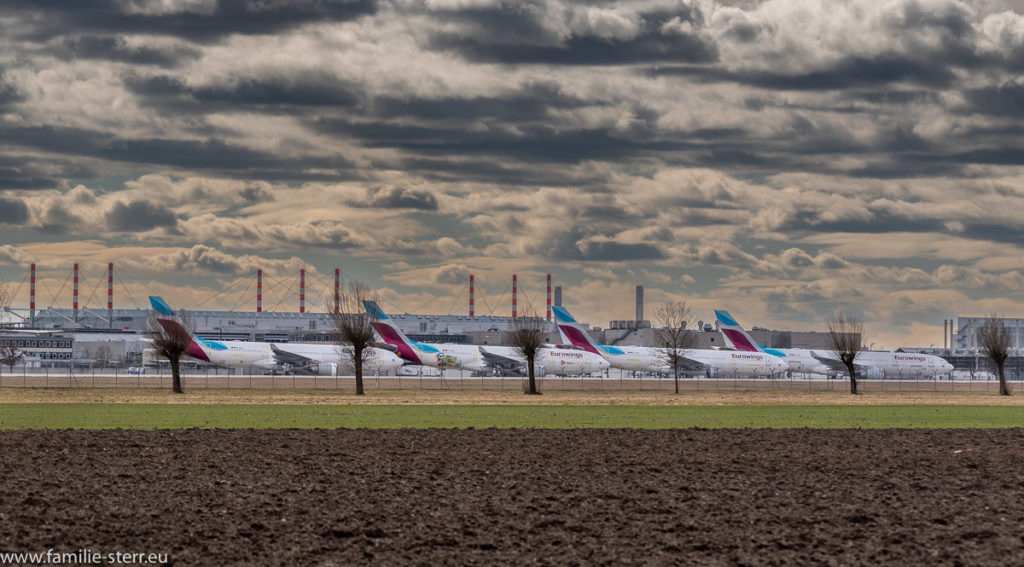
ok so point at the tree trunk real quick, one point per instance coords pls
(1004, 389)
(357, 360)
(676, 368)
(853, 379)
(176, 377)
(533, 381)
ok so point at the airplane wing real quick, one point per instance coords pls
(835, 364)
(287, 357)
(502, 358)
(687, 363)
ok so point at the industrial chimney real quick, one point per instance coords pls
(639, 304)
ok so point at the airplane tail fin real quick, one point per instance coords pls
(737, 337)
(161, 306)
(572, 332)
(390, 333)
(175, 329)
(198, 347)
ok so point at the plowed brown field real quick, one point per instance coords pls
(486, 497)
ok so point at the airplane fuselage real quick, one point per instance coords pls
(246, 354)
(898, 364)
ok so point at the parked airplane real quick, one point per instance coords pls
(479, 358)
(890, 364)
(648, 359)
(798, 359)
(323, 359)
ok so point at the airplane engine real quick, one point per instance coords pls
(326, 369)
(265, 364)
(873, 374)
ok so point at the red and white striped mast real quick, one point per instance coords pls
(549, 298)
(472, 285)
(302, 290)
(259, 290)
(337, 289)
(75, 302)
(515, 285)
(32, 297)
(110, 295)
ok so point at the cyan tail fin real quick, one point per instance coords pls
(737, 337)
(374, 310)
(161, 306)
(390, 333)
(562, 314)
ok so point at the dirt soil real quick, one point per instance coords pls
(551, 497)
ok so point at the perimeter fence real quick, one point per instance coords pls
(456, 380)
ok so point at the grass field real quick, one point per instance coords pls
(60, 408)
(161, 416)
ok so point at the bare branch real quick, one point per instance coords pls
(994, 338)
(528, 339)
(845, 337)
(353, 327)
(172, 337)
(676, 336)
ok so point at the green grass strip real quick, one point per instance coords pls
(174, 416)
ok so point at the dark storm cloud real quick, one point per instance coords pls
(488, 170)
(398, 198)
(13, 211)
(8, 93)
(1003, 100)
(138, 216)
(1010, 234)
(877, 222)
(517, 33)
(539, 142)
(847, 73)
(46, 19)
(211, 154)
(305, 90)
(114, 48)
(584, 50)
(57, 219)
(611, 251)
(530, 102)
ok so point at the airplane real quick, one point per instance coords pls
(648, 359)
(480, 358)
(799, 359)
(320, 359)
(890, 364)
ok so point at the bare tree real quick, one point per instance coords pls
(353, 327)
(172, 337)
(675, 333)
(101, 357)
(845, 337)
(10, 355)
(994, 338)
(528, 338)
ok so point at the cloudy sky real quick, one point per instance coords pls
(781, 159)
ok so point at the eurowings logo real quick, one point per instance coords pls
(910, 358)
(746, 356)
(566, 354)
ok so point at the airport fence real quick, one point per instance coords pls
(454, 380)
